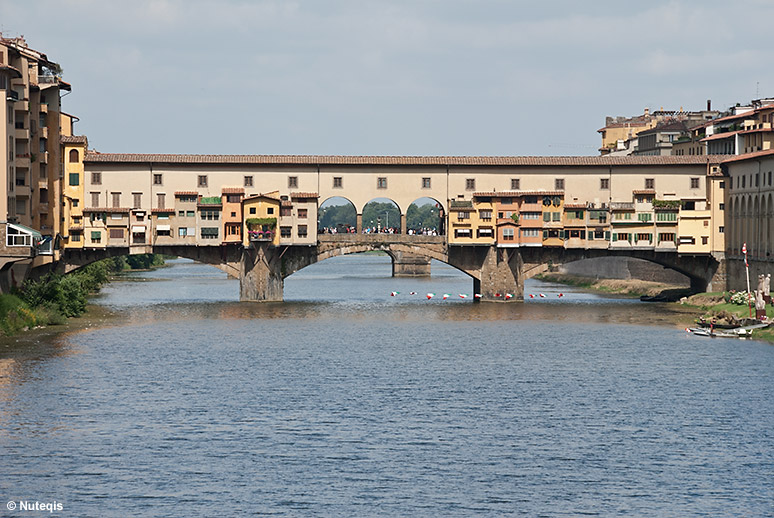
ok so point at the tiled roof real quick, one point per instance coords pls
(748, 156)
(302, 195)
(163, 211)
(185, 193)
(644, 191)
(233, 190)
(73, 139)
(574, 205)
(720, 136)
(124, 210)
(537, 161)
(286, 203)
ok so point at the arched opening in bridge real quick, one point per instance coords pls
(336, 215)
(624, 269)
(382, 215)
(425, 216)
(366, 278)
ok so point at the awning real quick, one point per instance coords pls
(137, 229)
(21, 229)
(163, 227)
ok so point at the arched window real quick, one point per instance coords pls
(73, 156)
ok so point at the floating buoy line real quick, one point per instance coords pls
(505, 296)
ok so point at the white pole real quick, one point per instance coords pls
(747, 271)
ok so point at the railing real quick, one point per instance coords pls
(260, 235)
(47, 79)
(622, 205)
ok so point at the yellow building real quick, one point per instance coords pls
(73, 151)
(471, 222)
(261, 213)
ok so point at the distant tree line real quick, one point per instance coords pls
(379, 213)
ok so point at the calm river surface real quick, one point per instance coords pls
(345, 401)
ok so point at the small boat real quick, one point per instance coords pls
(738, 332)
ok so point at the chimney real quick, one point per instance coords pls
(647, 112)
(709, 105)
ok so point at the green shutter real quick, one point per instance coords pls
(546, 216)
(75, 179)
(583, 234)
(607, 235)
(96, 236)
(615, 236)
(545, 234)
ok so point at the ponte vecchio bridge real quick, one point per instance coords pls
(504, 218)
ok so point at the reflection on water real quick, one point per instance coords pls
(346, 401)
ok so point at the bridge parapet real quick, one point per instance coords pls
(378, 239)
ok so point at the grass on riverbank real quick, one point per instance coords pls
(54, 298)
(714, 305)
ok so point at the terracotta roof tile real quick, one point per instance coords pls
(74, 139)
(163, 211)
(233, 190)
(748, 156)
(302, 195)
(186, 193)
(644, 191)
(537, 161)
(574, 205)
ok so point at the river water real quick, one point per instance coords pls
(347, 401)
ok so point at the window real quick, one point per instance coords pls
(463, 215)
(96, 237)
(721, 230)
(286, 211)
(604, 184)
(181, 213)
(302, 232)
(462, 232)
(650, 183)
(75, 237)
(470, 184)
(156, 179)
(425, 183)
(270, 210)
(292, 182)
(21, 207)
(96, 178)
(163, 215)
(556, 216)
(210, 215)
(136, 200)
(116, 233)
(694, 183)
(530, 215)
(546, 216)
(285, 232)
(189, 214)
(161, 200)
(252, 210)
(75, 179)
(381, 182)
(302, 213)
(485, 215)
(209, 232)
(202, 182)
(559, 184)
(704, 240)
(116, 199)
(530, 232)
(506, 201)
(233, 198)
(644, 216)
(116, 215)
(248, 181)
(73, 156)
(515, 184)
(337, 183)
(666, 236)
(182, 231)
(508, 234)
(706, 223)
(723, 184)
(232, 229)
(164, 232)
(95, 199)
(722, 206)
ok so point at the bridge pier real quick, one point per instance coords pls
(410, 265)
(500, 275)
(260, 275)
(359, 223)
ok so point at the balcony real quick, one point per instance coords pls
(23, 160)
(21, 133)
(21, 106)
(622, 205)
(44, 132)
(261, 235)
(43, 157)
(43, 108)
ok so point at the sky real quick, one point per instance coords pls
(402, 77)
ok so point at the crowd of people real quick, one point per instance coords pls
(349, 229)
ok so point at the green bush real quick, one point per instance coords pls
(15, 315)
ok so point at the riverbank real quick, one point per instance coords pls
(625, 287)
(700, 305)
